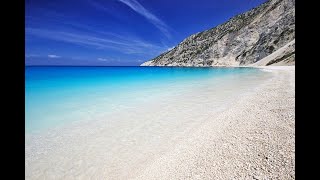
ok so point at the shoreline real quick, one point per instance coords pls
(253, 139)
(223, 145)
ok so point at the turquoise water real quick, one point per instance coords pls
(55, 96)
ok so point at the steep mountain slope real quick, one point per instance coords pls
(244, 39)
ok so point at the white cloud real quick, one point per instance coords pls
(124, 44)
(53, 56)
(137, 7)
(102, 59)
(170, 48)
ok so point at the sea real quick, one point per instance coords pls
(58, 96)
(112, 122)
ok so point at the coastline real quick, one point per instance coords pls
(252, 137)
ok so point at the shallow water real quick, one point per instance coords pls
(59, 95)
(108, 121)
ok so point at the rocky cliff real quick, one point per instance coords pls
(243, 40)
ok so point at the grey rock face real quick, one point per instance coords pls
(243, 40)
(284, 56)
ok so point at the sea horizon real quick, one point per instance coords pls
(132, 89)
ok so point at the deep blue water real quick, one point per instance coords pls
(58, 95)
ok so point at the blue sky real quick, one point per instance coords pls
(117, 32)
